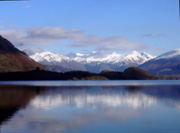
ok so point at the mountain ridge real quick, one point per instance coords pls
(55, 62)
(92, 62)
(13, 60)
(167, 63)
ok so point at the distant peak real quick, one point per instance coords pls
(177, 50)
(170, 54)
(134, 52)
(144, 53)
(79, 54)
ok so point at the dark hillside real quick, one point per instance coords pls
(13, 60)
(129, 74)
(137, 74)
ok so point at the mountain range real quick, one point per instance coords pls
(167, 63)
(93, 62)
(13, 60)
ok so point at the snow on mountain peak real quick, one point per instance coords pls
(94, 52)
(49, 57)
(170, 54)
(134, 52)
(114, 58)
(148, 56)
(95, 60)
(79, 54)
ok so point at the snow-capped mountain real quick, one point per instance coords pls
(165, 64)
(113, 61)
(50, 57)
(55, 62)
(170, 55)
(113, 58)
(95, 61)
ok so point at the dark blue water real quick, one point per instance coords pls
(90, 106)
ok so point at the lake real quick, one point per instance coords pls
(90, 106)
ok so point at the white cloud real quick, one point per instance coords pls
(53, 33)
(14, 27)
(20, 37)
(153, 36)
(78, 38)
(28, 6)
(108, 43)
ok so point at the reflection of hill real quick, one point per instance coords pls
(165, 92)
(6, 113)
(135, 88)
(13, 98)
(169, 94)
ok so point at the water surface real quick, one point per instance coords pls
(90, 106)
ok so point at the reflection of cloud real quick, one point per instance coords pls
(95, 100)
(34, 120)
(77, 38)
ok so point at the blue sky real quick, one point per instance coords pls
(65, 26)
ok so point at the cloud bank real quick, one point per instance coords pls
(76, 37)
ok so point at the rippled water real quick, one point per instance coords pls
(90, 106)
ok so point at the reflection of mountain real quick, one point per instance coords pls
(134, 97)
(37, 119)
(75, 108)
(13, 98)
(80, 98)
(167, 94)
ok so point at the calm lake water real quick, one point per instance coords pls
(90, 106)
